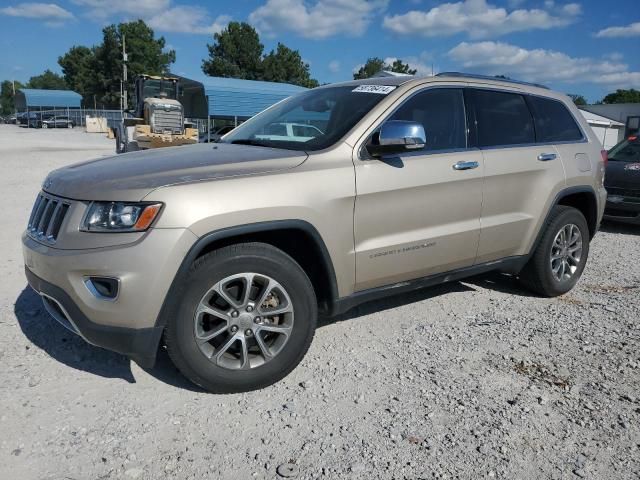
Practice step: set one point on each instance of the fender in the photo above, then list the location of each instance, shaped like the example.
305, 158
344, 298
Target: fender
556, 201
168, 306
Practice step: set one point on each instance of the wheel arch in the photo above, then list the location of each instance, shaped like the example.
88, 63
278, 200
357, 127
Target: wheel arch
298, 238
582, 198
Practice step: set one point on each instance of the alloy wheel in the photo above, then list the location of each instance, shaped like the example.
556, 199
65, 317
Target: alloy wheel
243, 321
566, 252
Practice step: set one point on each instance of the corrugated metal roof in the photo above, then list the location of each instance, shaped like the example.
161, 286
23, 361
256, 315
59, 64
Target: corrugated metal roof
32, 97
244, 98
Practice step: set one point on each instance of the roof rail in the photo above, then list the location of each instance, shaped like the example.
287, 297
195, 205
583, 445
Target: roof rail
488, 77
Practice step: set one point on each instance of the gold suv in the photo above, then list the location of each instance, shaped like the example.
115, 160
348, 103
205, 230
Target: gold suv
226, 252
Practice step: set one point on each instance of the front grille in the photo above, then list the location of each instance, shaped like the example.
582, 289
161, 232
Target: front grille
46, 217
623, 192
167, 121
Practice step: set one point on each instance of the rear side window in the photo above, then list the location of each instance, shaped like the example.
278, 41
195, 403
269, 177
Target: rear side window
553, 121
441, 113
502, 118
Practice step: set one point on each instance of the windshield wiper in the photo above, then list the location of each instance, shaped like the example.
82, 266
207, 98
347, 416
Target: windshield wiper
249, 141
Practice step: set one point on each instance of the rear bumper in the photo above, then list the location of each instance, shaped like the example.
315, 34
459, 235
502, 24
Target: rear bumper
624, 211
140, 344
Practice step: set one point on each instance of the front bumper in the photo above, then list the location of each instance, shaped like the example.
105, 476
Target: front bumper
626, 211
139, 344
128, 323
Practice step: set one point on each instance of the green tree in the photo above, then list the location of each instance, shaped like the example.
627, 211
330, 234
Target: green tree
623, 96
370, 68
7, 104
399, 67
375, 65
286, 66
577, 99
47, 81
236, 52
77, 68
98, 72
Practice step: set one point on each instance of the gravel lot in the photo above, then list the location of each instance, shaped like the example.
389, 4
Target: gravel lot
474, 379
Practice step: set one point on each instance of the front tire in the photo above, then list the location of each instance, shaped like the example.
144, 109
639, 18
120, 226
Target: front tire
246, 318
560, 257
44, 125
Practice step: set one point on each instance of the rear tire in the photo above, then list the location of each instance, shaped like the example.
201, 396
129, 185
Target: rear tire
560, 257
249, 348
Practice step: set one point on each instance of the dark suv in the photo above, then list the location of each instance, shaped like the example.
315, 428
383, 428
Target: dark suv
622, 181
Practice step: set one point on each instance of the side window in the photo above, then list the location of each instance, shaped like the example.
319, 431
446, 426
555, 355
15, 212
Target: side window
553, 121
441, 112
502, 118
279, 129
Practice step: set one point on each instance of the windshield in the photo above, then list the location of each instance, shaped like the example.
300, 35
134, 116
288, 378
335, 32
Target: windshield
626, 151
159, 89
311, 120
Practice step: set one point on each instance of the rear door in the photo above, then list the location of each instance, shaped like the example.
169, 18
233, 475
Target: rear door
417, 214
520, 177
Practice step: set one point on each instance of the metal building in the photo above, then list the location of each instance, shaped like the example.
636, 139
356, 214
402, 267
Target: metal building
30, 99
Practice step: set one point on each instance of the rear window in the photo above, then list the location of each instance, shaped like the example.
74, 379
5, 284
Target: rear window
553, 121
626, 151
502, 118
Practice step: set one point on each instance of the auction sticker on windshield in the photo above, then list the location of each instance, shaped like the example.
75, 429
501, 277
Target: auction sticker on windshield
381, 89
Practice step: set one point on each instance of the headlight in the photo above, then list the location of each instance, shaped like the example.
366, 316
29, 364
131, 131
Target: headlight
120, 216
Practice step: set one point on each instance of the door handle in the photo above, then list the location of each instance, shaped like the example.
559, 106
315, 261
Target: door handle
545, 157
465, 165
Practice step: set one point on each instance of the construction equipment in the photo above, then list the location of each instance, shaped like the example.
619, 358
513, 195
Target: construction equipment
157, 119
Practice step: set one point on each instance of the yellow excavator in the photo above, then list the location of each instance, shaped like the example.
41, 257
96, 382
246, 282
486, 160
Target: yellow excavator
158, 118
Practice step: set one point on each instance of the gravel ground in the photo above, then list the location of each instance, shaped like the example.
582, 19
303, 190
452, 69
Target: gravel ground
474, 379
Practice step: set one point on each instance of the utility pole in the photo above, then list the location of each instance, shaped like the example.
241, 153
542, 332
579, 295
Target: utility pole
123, 84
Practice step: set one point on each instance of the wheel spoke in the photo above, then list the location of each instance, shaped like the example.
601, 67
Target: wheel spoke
203, 337
205, 308
280, 329
271, 284
248, 282
217, 354
219, 289
244, 354
264, 350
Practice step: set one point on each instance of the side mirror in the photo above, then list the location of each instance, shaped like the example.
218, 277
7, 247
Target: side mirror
398, 136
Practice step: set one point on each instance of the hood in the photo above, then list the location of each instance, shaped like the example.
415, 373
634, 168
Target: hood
131, 176
622, 175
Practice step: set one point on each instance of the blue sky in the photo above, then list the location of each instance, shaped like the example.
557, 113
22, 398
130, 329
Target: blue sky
588, 47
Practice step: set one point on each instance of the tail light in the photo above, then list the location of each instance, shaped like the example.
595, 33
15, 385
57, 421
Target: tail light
605, 157
603, 165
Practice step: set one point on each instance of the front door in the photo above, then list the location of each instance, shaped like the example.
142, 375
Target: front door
417, 214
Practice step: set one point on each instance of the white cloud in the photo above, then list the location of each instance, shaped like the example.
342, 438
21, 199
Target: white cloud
334, 66
48, 11
138, 8
632, 30
321, 19
539, 65
186, 19
479, 19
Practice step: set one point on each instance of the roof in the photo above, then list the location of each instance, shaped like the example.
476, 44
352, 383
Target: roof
595, 119
244, 98
614, 111
32, 97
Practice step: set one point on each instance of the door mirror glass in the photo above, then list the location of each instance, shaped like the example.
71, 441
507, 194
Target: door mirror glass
397, 136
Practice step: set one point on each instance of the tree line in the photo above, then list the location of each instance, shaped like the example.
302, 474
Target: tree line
96, 72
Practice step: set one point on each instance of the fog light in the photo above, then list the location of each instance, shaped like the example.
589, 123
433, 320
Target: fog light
104, 288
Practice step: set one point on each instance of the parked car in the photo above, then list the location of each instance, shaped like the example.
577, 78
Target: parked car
622, 181
58, 122
228, 254
287, 131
